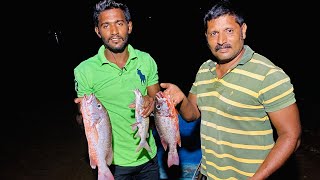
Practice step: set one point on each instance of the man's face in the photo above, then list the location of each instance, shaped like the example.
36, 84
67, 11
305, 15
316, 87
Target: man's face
114, 29
225, 37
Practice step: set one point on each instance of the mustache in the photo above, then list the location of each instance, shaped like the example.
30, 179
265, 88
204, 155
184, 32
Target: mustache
218, 47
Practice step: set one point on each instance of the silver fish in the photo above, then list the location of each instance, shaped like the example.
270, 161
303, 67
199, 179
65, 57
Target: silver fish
141, 123
99, 135
167, 125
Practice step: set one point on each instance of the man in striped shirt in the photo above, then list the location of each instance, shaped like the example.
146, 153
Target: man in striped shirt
241, 97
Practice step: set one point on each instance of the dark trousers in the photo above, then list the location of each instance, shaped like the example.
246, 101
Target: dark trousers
147, 171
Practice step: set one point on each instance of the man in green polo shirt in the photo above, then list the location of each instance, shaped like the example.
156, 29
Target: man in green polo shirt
239, 97
112, 75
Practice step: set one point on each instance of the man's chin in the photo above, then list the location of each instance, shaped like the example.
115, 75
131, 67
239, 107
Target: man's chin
116, 49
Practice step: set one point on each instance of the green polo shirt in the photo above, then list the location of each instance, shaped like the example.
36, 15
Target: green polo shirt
236, 133
114, 88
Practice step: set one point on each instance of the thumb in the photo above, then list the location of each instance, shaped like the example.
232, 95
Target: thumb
164, 85
77, 100
132, 105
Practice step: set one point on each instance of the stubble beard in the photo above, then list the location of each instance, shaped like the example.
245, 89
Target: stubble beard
116, 49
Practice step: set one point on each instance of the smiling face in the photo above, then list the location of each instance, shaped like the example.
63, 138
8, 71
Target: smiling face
225, 37
114, 29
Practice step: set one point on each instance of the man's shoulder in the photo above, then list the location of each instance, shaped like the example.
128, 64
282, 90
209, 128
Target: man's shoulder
138, 52
208, 64
261, 65
87, 63
261, 60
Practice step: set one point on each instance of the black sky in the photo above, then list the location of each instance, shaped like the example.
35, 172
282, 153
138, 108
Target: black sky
172, 32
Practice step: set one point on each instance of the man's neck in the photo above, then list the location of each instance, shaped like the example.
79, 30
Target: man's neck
120, 59
224, 68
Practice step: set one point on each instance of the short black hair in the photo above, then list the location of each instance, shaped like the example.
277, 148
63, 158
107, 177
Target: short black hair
109, 4
221, 8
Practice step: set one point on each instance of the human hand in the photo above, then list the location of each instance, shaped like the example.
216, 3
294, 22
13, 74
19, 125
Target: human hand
78, 100
174, 92
148, 106
79, 118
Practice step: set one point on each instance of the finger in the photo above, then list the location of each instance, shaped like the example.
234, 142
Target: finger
147, 113
146, 104
174, 102
133, 105
167, 91
77, 100
164, 85
152, 104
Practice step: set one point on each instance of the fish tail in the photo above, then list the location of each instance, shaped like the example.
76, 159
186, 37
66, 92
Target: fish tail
144, 145
105, 175
173, 158
147, 147
137, 135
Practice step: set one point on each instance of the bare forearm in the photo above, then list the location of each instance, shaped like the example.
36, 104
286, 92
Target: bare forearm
188, 111
277, 157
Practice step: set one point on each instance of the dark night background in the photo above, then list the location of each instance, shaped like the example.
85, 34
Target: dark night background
38, 68
172, 32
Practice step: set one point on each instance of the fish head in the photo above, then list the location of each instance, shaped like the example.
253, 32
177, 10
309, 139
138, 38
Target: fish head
163, 104
138, 98
93, 108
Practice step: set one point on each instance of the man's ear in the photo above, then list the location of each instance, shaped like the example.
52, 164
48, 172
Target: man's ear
129, 27
244, 30
96, 29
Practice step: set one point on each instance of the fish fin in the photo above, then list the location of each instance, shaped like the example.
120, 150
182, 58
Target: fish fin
106, 175
134, 126
164, 145
138, 148
173, 158
178, 138
147, 147
109, 158
179, 142
137, 135
93, 163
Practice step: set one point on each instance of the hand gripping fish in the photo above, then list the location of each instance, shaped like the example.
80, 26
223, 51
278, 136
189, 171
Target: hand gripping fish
167, 125
99, 135
141, 123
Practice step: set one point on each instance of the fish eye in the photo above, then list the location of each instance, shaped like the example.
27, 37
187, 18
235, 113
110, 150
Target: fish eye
158, 106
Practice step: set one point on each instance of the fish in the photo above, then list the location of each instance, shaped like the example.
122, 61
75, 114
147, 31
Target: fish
167, 125
98, 133
142, 124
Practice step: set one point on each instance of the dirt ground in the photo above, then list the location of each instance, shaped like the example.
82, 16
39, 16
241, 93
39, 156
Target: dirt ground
51, 146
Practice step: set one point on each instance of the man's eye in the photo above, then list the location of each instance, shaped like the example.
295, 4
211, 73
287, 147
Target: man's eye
213, 34
229, 30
